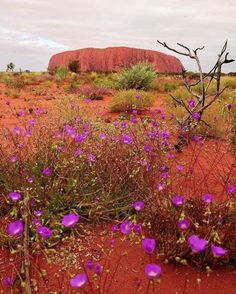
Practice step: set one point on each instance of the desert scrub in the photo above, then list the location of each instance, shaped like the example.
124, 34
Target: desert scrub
140, 76
61, 74
231, 111
213, 116
93, 92
108, 81
130, 100
229, 82
92, 167
74, 66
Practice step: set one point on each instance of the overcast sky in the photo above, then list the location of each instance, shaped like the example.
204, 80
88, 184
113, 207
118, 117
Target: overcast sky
33, 30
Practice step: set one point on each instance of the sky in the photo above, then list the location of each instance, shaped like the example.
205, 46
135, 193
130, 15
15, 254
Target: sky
31, 31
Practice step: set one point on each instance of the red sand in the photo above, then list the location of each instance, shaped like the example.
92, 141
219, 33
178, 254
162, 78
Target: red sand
127, 261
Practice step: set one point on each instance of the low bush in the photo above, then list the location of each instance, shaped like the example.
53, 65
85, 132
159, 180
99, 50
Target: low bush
93, 93
140, 76
130, 100
108, 81
213, 116
61, 74
74, 66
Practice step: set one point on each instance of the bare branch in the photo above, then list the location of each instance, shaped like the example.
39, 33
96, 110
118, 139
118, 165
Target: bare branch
172, 49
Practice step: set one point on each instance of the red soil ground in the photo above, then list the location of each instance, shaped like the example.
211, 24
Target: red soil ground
214, 163
126, 264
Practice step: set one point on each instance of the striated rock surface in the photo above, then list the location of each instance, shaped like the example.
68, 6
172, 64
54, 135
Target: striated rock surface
115, 58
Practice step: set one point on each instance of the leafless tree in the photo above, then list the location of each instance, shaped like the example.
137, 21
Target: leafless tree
203, 100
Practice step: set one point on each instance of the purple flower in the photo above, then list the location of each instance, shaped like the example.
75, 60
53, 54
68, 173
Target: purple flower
137, 228
197, 244
44, 232
8, 281
231, 189
179, 167
14, 196
70, 220
207, 198
218, 251
191, 103
149, 245
89, 264
196, 138
78, 152
229, 106
15, 228
91, 157
123, 124
138, 205
114, 228
125, 227
166, 135
134, 120
16, 130
137, 96
152, 270
183, 224
127, 139
164, 175
32, 122
196, 115
98, 269
47, 172
103, 136
160, 186
178, 200
38, 213
79, 280
36, 222
13, 158
30, 180
147, 148
39, 111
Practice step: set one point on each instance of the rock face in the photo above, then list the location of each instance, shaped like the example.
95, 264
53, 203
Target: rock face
115, 58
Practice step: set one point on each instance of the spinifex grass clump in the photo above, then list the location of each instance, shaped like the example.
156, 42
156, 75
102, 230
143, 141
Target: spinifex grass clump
130, 100
140, 76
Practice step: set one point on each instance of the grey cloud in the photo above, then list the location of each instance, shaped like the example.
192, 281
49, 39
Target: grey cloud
31, 31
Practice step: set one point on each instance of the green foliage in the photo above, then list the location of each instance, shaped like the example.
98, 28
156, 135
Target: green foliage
74, 66
140, 76
168, 86
108, 81
131, 99
61, 74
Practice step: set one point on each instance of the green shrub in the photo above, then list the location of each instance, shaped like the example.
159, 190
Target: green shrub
168, 87
61, 74
108, 81
131, 99
74, 66
140, 76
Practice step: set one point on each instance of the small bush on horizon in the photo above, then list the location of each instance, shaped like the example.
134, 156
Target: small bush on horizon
128, 100
140, 76
74, 66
